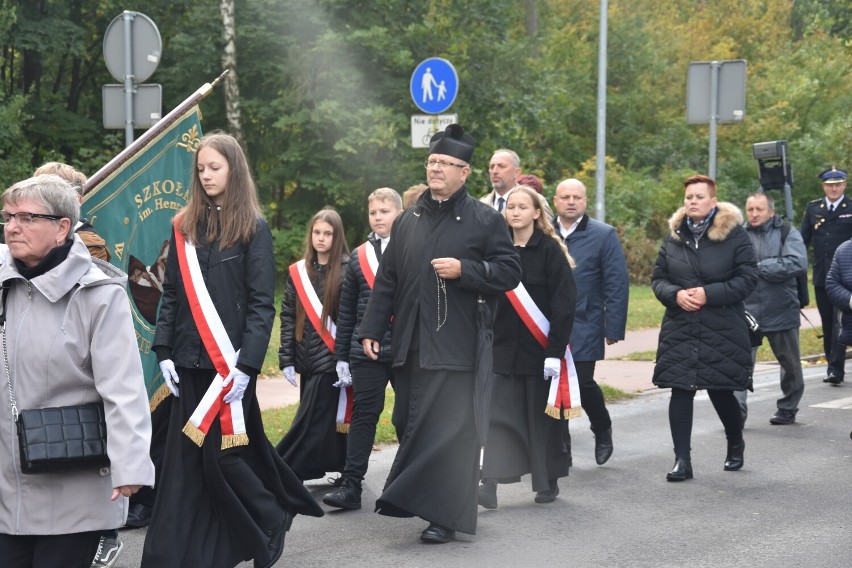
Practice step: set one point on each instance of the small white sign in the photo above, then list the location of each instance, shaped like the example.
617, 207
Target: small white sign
424, 126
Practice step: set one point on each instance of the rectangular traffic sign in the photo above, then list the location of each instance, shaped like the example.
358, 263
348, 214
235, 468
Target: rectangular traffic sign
424, 126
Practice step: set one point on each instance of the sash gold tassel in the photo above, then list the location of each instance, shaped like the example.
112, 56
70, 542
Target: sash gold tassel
234, 440
552, 411
570, 413
194, 434
343, 428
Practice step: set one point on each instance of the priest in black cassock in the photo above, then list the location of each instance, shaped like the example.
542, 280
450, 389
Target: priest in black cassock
445, 252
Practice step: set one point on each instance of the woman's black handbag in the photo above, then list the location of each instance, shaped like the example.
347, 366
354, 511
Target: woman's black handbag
66, 438
53, 440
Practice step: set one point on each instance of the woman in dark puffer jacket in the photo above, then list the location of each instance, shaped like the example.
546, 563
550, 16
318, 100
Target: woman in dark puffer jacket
705, 269
313, 445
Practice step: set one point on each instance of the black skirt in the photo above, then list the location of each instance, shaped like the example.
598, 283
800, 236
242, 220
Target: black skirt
214, 507
435, 473
521, 437
313, 447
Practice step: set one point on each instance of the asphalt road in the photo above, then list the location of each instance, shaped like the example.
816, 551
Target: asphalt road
790, 506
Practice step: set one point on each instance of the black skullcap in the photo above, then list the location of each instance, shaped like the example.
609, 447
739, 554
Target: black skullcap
453, 141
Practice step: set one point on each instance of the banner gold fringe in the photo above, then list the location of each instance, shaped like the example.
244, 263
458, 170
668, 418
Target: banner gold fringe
159, 396
234, 440
343, 428
570, 413
193, 433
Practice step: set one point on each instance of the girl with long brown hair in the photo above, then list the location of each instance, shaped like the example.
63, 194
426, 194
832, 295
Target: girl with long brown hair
315, 444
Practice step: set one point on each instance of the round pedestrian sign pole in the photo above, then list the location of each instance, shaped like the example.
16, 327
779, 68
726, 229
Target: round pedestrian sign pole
434, 85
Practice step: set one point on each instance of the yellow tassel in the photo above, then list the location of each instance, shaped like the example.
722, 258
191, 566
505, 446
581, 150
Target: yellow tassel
552, 411
234, 440
193, 433
159, 396
570, 413
343, 427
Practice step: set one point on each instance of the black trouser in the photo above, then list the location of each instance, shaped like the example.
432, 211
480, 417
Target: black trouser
680, 417
835, 352
592, 397
369, 381
74, 550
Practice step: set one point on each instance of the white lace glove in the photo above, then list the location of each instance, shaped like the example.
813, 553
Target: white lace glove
552, 366
170, 376
290, 375
241, 381
344, 378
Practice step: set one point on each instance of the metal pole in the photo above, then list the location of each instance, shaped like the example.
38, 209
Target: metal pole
600, 145
714, 112
128, 76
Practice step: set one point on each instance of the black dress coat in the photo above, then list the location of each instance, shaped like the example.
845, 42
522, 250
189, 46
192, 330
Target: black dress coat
435, 473
826, 231
522, 438
709, 348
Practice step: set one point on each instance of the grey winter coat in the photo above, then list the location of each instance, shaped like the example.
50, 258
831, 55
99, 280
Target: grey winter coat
71, 340
775, 301
708, 348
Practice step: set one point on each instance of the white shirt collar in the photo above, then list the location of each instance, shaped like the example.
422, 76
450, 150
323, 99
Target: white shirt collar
829, 203
567, 231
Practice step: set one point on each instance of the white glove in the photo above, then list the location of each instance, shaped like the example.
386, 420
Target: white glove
170, 376
552, 366
240, 380
344, 378
290, 375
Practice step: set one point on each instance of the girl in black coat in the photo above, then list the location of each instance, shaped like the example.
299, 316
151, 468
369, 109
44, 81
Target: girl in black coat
313, 445
705, 269
522, 438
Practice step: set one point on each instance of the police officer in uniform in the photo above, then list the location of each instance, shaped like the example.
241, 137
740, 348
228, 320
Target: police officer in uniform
828, 223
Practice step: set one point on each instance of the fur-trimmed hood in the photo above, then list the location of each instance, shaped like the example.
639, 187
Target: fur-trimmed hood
726, 218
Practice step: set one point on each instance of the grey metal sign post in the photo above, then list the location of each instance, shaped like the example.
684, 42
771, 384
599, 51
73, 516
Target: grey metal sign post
715, 94
132, 47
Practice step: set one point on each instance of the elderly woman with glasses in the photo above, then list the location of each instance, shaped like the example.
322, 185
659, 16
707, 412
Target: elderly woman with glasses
68, 340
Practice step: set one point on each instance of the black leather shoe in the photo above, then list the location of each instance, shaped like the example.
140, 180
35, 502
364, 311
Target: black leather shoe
548, 496
783, 417
833, 379
488, 494
138, 516
734, 460
346, 497
603, 446
436, 534
275, 548
681, 471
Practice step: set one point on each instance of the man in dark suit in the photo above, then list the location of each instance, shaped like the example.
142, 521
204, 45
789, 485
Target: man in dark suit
828, 223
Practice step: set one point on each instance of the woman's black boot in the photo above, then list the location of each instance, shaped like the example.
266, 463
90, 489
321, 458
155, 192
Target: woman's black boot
681, 471
735, 460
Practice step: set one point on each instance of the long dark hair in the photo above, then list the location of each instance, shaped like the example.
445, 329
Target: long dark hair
331, 291
542, 223
240, 208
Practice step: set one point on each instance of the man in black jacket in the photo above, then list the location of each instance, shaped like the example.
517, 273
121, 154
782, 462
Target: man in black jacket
828, 223
369, 378
444, 253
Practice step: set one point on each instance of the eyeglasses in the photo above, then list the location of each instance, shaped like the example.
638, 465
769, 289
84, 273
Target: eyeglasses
24, 218
441, 164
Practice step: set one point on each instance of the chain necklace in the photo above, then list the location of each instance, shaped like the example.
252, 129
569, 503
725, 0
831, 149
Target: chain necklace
442, 289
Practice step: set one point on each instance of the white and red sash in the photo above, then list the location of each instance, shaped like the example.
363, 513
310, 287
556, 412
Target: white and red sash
313, 309
564, 397
221, 352
369, 262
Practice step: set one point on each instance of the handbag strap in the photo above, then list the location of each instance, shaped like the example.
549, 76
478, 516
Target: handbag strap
5, 292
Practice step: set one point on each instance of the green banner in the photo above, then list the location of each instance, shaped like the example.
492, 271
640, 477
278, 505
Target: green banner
132, 210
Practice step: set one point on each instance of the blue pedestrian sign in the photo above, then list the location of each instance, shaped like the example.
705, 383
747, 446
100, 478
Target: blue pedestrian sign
434, 85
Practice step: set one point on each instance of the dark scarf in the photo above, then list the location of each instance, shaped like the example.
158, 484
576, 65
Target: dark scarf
698, 229
50, 261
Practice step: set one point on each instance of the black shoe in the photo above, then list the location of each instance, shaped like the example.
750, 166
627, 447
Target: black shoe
548, 496
783, 416
348, 496
275, 547
681, 471
833, 379
734, 460
436, 534
603, 446
138, 516
488, 494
